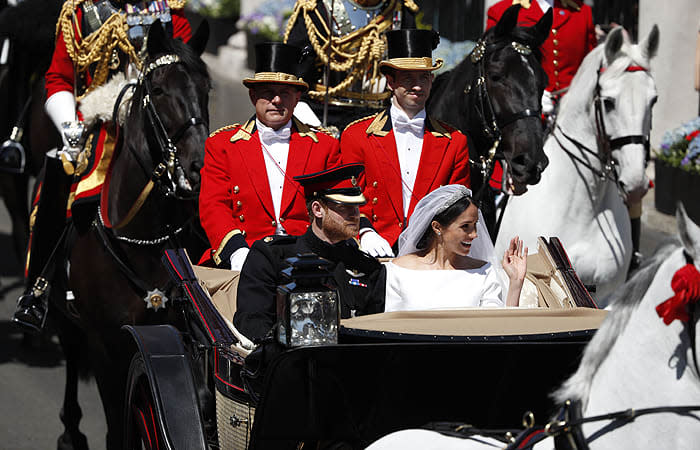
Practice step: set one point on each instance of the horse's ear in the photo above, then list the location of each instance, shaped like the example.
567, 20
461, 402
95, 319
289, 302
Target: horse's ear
543, 27
651, 43
689, 232
508, 21
156, 38
613, 44
199, 39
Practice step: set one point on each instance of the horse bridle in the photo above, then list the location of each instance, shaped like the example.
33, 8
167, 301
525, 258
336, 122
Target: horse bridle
167, 145
490, 124
606, 145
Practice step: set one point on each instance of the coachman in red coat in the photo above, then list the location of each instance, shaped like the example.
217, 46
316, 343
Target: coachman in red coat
248, 191
406, 153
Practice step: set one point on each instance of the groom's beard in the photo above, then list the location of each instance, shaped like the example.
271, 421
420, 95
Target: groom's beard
339, 229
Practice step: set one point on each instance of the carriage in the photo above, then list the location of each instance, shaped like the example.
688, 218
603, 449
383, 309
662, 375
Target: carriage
202, 385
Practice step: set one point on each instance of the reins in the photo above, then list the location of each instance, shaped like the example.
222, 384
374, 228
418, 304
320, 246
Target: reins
606, 145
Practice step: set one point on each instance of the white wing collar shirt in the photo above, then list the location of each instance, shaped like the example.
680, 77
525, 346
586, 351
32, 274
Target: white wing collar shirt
275, 148
408, 134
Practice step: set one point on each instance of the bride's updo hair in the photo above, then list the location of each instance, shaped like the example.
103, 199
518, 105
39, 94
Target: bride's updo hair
444, 218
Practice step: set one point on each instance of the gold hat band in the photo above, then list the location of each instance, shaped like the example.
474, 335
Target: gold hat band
424, 63
275, 77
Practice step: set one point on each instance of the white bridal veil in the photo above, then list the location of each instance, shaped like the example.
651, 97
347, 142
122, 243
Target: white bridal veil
433, 204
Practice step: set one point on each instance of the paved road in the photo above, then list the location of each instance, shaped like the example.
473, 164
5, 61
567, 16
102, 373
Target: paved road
31, 382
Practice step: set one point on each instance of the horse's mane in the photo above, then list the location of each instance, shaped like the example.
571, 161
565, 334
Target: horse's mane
624, 302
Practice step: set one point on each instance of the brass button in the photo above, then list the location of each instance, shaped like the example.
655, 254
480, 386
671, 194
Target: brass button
273, 223
374, 217
244, 233
400, 224
374, 201
281, 219
236, 189
556, 73
556, 63
554, 31
374, 184
239, 203
555, 42
556, 84
241, 218
556, 52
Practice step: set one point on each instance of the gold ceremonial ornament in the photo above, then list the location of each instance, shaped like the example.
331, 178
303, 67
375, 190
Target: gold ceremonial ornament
155, 299
344, 47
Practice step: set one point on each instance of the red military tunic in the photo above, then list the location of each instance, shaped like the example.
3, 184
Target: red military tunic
572, 37
444, 160
60, 76
235, 202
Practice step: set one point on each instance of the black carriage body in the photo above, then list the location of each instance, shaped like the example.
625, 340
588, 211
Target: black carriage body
376, 382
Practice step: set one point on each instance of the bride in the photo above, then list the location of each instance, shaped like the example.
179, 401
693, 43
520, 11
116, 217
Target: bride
446, 258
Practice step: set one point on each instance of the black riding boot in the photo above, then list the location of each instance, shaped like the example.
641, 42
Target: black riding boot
45, 237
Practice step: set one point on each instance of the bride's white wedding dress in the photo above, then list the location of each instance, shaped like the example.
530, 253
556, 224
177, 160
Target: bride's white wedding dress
413, 289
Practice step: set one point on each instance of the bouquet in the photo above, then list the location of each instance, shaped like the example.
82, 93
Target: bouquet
680, 147
269, 19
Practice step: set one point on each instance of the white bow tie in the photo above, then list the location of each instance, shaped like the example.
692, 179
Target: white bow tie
270, 136
415, 125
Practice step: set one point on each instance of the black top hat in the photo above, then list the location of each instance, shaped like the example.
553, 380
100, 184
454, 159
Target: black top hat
276, 62
338, 184
411, 49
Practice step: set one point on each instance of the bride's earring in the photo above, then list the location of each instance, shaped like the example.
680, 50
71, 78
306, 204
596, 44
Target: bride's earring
439, 233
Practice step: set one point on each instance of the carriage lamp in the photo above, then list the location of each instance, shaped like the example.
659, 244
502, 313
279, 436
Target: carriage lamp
308, 313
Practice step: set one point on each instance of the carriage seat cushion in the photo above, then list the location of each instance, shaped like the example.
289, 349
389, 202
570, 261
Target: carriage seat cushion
222, 285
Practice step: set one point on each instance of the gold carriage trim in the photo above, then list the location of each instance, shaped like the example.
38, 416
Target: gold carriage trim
276, 77
424, 63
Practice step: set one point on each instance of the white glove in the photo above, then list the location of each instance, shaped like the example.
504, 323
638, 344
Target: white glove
61, 108
238, 258
372, 243
547, 103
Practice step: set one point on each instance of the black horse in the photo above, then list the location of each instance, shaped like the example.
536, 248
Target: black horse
494, 96
29, 27
115, 272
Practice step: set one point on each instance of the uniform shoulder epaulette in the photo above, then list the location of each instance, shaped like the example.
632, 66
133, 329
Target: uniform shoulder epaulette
278, 239
227, 127
360, 120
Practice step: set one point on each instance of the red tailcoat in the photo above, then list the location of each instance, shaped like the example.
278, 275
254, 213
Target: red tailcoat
572, 37
444, 160
235, 200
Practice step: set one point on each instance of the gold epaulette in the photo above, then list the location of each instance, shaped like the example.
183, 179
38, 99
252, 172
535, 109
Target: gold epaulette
441, 128
360, 120
227, 127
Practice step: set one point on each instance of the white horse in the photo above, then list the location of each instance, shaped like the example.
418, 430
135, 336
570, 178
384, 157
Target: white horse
597, 157
634, 361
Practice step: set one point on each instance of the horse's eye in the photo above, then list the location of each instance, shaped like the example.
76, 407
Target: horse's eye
609, 103
158, 91
495, 77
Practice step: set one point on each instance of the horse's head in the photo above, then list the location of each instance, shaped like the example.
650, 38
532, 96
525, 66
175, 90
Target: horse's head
514, 80
173, 95
624, 97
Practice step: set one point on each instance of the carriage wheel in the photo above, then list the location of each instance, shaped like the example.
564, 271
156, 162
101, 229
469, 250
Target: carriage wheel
142, 429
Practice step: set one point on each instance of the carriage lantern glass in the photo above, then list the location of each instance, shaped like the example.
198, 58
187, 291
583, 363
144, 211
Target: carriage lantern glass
308, 312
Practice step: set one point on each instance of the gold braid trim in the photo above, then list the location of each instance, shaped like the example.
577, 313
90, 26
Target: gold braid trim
97, 48
357, 53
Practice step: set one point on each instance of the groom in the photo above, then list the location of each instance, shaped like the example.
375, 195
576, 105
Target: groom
406, 153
